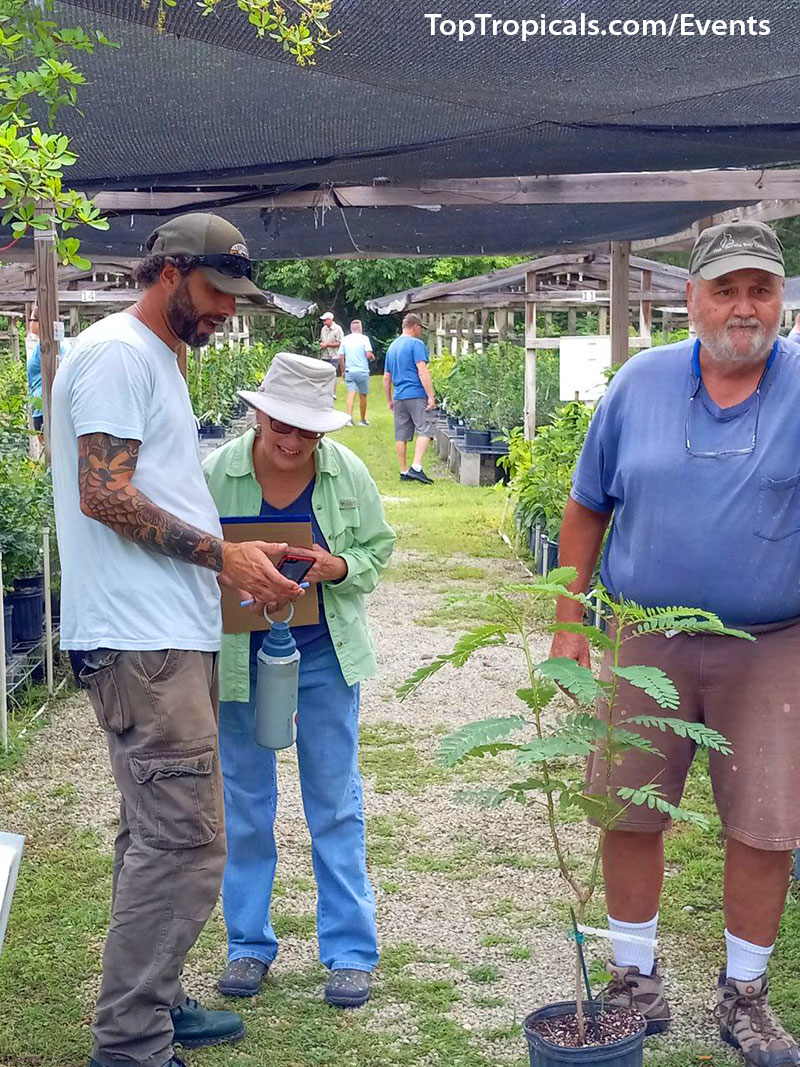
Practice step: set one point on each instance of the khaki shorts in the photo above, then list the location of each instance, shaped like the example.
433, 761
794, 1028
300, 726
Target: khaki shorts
748, 691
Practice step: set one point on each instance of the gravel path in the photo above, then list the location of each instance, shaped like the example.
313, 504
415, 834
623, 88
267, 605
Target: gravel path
472, 890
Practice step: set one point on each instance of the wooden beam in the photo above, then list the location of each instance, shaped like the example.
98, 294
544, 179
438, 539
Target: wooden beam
620, 279
50, 324
621, 188
530, 356
763, 211
645, 306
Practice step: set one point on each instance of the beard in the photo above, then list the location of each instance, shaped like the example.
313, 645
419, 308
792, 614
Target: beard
184, 318
742, 342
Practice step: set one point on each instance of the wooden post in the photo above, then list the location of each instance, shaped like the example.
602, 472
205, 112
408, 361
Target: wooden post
620, 291
471, 331
440, 334
74, 322
572, 321
50, 325
530, 355
646, 308
602, 319
485, 322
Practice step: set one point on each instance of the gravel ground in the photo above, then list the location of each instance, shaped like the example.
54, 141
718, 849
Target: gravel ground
473, 890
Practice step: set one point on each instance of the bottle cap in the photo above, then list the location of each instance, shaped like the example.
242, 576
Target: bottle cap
278, 641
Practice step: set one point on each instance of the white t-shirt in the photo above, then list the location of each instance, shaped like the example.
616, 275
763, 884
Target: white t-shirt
120, 379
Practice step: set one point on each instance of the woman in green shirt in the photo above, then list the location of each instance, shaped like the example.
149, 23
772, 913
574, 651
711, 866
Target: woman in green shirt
284, 467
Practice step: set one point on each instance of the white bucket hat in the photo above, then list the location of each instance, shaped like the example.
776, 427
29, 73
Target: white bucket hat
298, 390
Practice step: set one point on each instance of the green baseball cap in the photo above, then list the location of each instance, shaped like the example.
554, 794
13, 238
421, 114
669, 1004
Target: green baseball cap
227, 265
742, 245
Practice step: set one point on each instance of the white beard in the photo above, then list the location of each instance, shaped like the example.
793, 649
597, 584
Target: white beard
724, 344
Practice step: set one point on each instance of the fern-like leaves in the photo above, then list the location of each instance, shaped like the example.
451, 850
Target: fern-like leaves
577, 680
478, 739
654, 682
702, 735
467, 644
650, 796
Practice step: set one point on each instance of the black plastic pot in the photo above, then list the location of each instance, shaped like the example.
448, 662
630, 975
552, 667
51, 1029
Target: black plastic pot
549, 554
452, 422
209, 429
27, 600
8, 611
629, 1052
477, 439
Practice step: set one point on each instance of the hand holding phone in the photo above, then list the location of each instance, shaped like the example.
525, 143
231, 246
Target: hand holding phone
295, 568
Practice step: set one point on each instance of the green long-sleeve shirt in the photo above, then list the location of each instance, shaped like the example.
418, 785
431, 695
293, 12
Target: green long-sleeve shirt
348, 508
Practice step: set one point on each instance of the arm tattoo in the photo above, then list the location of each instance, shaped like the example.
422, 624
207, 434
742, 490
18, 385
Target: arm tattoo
106, 466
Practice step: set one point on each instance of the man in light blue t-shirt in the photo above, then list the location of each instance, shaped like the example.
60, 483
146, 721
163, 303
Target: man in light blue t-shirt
695, 451
355, 356
409, 394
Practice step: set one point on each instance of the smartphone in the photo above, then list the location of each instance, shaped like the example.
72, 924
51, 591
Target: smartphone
295, 568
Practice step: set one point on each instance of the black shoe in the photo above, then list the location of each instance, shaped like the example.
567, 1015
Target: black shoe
242, 977
196, 1027
348, 988
416, 476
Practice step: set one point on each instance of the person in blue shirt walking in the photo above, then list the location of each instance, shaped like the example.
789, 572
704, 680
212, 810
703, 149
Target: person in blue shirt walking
355, 356
695, 451
409, 394
35, 371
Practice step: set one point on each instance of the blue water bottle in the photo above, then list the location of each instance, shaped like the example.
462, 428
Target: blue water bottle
276, 686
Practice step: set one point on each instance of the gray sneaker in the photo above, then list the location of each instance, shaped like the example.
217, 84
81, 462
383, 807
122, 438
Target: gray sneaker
348, 988
242, 977
746, 1022
643, 993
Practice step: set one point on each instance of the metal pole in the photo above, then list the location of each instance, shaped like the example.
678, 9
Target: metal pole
3, 694
48, 610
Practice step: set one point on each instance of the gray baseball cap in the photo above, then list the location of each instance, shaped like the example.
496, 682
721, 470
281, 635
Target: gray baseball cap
211, 238
729, 246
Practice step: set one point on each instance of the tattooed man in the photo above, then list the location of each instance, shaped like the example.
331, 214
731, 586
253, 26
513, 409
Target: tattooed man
142, 554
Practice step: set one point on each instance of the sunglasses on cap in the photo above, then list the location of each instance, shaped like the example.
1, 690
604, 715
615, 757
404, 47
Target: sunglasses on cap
232, 265
284, 427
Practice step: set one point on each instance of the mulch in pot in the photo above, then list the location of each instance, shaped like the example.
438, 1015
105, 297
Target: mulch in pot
612, 1025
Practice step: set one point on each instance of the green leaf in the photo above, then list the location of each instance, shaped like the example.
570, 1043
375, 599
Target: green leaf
464, 742
465, 646
577, 680
593, 634
622, 740
556, 746
698, 732
538, 695
650, 796
654, 682
562, 576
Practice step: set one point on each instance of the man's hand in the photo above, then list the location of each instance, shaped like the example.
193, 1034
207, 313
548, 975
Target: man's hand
570, 646
248, 566
327, 568
431, 403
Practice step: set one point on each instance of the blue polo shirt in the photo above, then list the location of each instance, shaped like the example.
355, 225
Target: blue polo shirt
402, 357
706, 500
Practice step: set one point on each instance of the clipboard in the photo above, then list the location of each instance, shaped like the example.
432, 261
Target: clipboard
294, 530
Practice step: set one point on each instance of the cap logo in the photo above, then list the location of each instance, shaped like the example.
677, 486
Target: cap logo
240, 250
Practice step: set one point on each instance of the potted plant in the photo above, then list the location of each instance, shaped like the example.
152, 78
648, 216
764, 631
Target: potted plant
24, 504
548, 745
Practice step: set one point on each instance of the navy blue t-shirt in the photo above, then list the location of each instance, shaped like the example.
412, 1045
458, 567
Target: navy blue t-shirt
303, 635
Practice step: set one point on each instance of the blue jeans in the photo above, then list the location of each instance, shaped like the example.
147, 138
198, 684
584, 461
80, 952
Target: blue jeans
327, 756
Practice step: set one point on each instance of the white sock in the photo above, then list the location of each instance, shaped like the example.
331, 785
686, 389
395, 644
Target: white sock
746, 961
414, 467
405, 471
634, 953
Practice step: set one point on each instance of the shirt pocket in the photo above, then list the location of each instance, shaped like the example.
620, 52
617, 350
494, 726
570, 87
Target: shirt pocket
778, 513
350, 520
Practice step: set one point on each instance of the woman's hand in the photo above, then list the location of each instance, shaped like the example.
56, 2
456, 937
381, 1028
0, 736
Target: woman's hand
327, 568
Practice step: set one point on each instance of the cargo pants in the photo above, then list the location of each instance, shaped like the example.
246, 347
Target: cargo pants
160, 713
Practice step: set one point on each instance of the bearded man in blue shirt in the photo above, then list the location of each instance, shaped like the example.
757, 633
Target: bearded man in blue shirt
694, 450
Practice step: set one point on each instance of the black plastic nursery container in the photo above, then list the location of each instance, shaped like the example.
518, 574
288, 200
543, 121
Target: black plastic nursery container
629, 1052
28, 603
477, 439
208, 429
8, 611
548, 558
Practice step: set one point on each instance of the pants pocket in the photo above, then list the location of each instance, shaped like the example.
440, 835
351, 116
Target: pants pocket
99, 679
178, 806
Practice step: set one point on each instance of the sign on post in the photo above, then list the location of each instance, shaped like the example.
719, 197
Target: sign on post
582, 366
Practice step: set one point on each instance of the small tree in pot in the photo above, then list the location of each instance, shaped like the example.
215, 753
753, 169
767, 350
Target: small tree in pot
551, 754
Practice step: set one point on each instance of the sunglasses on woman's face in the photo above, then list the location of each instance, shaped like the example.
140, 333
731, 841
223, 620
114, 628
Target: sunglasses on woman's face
284, 427
232, 265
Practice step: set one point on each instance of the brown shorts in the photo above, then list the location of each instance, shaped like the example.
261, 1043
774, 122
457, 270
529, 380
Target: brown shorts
749, 692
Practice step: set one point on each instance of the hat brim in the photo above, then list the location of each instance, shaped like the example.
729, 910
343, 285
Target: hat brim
236, 286
296, 414
728, 264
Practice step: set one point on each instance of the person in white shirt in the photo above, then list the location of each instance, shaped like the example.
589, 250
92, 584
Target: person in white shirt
141, 553
355, 356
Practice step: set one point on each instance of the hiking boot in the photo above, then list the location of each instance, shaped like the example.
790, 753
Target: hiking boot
416, 476
196, 1027
348, 988
746, 1022
642, 993
242, 977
